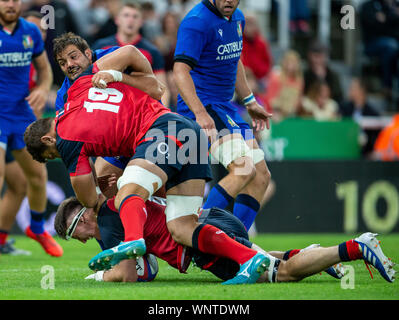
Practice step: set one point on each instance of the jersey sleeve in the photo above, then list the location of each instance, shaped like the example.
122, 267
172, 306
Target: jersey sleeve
74, 157
59, 100
191, 39
38, 44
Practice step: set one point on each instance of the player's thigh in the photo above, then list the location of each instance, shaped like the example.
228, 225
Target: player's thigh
2, 163
107, 166
140, 177
15, 178
33, 170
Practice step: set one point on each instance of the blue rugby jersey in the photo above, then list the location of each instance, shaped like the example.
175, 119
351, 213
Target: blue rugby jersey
59, 101
211, 45
17, 50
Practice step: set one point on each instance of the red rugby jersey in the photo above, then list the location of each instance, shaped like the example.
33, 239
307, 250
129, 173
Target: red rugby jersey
103, 122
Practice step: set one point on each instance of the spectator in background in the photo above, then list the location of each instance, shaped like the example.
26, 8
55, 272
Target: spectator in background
357, 107
317, 103
319, 70
64, 22
152, 27
380, 24
386, 147
129, 21
109, 27
256, 52
167, 45
299, 16
285, 87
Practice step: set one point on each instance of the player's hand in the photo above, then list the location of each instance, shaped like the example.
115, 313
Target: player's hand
260, 117
37, 99
107, 185
207, 124
101, 79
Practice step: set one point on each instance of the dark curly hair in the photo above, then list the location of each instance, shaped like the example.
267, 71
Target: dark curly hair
64, 211
63, 41
32, 137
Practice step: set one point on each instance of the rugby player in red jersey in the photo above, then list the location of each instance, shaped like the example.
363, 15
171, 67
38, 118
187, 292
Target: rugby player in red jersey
103, 224
115, 119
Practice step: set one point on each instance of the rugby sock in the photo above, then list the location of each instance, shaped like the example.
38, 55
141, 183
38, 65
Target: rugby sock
246, 209
212, 240
133, 214
290, 253
3, 237
36, 222
218, 197
349, 251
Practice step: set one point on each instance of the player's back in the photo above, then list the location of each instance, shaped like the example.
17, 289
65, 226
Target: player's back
111, 121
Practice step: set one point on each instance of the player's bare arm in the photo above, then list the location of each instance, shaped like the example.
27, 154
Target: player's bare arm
125, 271
85, 190
260, 117
37, 98
141, 78
186, 88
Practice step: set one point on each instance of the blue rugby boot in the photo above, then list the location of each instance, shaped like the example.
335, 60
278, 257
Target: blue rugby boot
337, 271
125, 250
251, 270
372, 254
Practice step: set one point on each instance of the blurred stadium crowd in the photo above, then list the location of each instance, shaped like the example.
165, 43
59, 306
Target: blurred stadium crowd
312, 78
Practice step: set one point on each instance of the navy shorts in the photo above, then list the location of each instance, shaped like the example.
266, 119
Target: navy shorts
119, 162
178, 146
12, 130
224, 220
226, 117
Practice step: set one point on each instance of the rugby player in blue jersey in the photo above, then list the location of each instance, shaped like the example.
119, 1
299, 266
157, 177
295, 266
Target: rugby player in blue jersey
21, 44
207, 72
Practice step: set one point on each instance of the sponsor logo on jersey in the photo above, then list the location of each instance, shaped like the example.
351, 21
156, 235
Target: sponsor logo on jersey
230, 50
15, 59
221, 33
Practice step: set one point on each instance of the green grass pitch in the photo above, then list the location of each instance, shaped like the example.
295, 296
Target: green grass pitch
21, 277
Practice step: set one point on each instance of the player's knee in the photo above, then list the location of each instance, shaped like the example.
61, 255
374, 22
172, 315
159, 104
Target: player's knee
179, 234
243, 169
262, 178
38, 178
176, 233
182, 229
18, 188
286, 273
